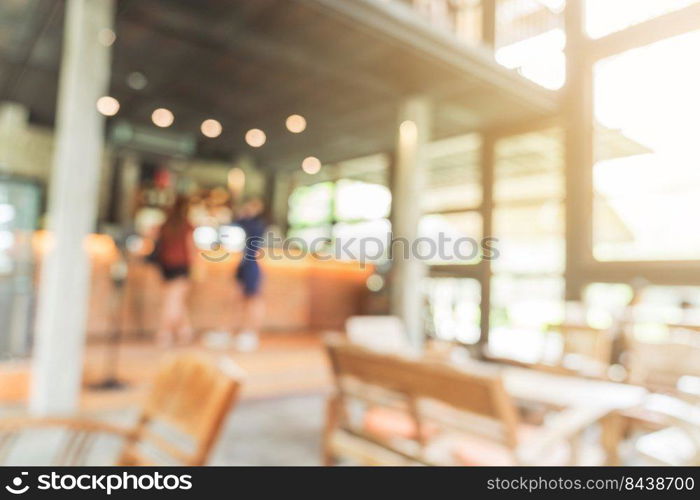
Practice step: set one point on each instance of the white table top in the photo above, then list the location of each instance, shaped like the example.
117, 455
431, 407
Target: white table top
564, 390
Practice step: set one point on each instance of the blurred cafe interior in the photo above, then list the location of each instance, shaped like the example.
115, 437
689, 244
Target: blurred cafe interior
559, 136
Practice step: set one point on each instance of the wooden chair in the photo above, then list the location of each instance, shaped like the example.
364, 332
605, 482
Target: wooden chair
179, 422
684, 333
666, 428
660, 366
585, 350
674, 437
392, 410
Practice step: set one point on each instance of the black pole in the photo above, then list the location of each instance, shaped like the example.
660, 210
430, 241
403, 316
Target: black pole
111, 380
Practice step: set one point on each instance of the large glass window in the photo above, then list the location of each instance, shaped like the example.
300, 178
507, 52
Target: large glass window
453, 309
527, 284
451, 201
530, 38
311, 205
357, 201
605, 303
349, 214
453, 180
528, 198
649, 313
457, 236
647, 200
19, 216
521, 307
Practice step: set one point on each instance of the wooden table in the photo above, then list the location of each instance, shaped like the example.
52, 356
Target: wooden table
567, 392
570, 392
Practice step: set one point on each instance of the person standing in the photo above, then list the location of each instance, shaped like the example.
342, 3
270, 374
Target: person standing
174, 252
249, 274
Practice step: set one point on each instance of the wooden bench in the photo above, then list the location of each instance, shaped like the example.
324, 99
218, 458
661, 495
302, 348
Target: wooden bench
394, 410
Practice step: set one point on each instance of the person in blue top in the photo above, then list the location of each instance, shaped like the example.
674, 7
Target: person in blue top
249, 274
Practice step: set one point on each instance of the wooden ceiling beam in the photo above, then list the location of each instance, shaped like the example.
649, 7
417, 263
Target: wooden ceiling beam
660, 28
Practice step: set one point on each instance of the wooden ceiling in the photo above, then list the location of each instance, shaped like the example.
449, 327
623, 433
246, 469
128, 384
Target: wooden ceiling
345, 65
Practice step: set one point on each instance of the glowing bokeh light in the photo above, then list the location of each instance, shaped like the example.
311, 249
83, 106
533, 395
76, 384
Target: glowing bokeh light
108, 105
255, 137
311, 165
162, 117
296, 124
211, 128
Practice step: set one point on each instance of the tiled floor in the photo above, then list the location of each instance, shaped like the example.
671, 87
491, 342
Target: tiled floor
277, 431
281, 431
284, 365
278, 420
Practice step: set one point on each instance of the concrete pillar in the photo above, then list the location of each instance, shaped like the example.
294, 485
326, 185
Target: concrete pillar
409, 169
64, 284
